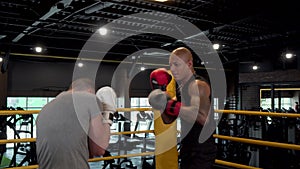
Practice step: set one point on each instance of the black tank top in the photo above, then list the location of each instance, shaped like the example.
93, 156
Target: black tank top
190, 132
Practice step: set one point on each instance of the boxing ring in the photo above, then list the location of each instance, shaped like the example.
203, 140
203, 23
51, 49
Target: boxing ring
217, 136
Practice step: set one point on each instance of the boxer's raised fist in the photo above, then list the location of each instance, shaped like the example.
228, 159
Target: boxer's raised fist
160, 78
107, 98
158, 99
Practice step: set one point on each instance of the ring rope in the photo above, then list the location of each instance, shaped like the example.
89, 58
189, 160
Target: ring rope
243, 140
259, 113
17, 140
20, 112
259, 142
25, 167
134, 109
236, 165
121, 156
96, 159
25, 112
132, 132
221, 162
34, 139
245, 112
231, 138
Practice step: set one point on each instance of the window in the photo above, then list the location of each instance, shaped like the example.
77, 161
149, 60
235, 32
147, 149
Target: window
28, 103
136, 102
17, 102
216, 107
139, 102
286, 103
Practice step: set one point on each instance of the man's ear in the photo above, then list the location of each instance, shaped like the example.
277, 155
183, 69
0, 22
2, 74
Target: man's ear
190, 64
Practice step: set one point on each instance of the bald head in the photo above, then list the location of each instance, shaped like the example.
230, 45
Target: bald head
83, 84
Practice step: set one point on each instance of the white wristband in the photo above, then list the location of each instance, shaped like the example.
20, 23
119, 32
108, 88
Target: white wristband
107, 121
107, 117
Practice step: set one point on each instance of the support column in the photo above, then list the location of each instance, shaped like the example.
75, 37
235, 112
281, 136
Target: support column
298, 62
3, 89
272, 98
120, 83
279, 99
3, 102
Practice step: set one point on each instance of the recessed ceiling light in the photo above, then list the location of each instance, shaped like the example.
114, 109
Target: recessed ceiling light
38, 49
1, 59
80, 64
216, 46
103, 31
161, 0
255, 67
288, 55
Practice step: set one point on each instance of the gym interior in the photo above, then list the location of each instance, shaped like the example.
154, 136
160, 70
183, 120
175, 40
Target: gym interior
249, 50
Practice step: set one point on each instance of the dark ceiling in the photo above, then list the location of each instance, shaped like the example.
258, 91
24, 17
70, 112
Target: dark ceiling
249, 30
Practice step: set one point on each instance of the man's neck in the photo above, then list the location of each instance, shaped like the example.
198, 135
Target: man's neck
185, 80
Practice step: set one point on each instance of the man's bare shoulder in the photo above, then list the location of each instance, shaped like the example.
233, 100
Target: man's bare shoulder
199, 86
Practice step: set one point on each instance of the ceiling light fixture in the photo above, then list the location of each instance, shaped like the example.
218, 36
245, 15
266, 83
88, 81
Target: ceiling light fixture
255, 67
80, 64
1, 59
161, 0
103, 31
2, 36
38, 49
288, 55
216, 46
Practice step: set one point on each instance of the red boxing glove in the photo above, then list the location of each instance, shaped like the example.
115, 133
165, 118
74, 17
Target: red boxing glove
160, 78
172, 108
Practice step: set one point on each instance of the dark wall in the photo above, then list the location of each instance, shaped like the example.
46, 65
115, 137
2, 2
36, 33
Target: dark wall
34, 78
263, 66
48, 79
280, 76
104, 75
140, 85
271, 63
